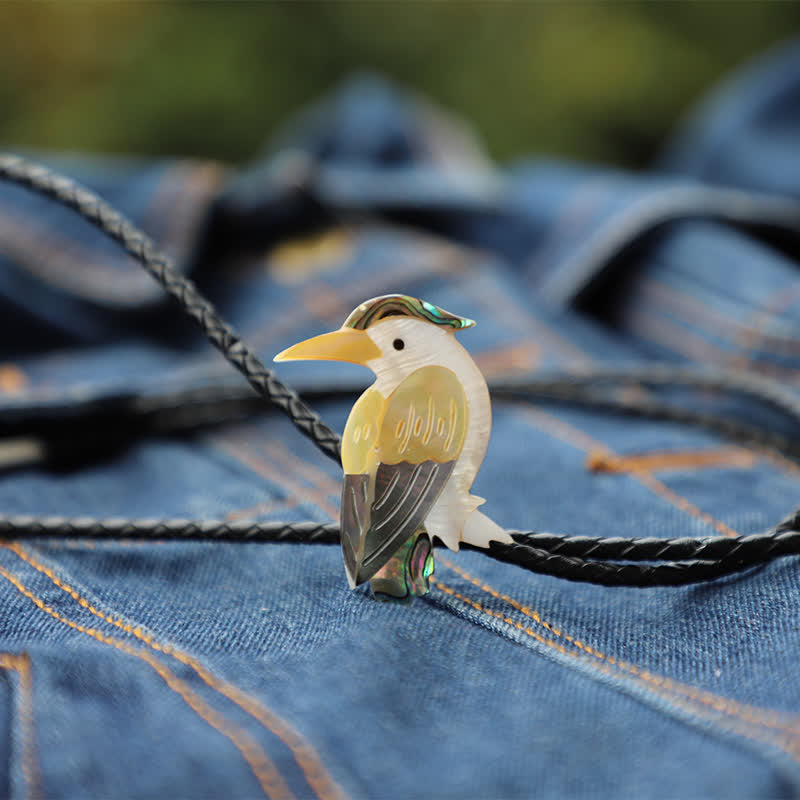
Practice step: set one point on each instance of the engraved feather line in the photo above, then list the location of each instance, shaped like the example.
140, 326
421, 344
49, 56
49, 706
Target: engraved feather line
410, 513
409, 423
429, 428
387, 492
412, 426
403, 498
452, 430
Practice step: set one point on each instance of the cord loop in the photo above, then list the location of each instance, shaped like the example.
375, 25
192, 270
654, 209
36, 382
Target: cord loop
577, 558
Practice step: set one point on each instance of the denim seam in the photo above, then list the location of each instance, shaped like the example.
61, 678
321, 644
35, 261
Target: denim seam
87, 544
527, 324
518, 357
748, 348
301, 260
270, 780
608, 665
318, 490
767, 718
777, 303
258, 466
169, 209
31, 771
87, 271
777, 458
571, 277
598, 459
665, 333
350, 294
51, 256
780, 462
308, 470
265, 332
688, 710
685, 460
692, 344
307, 759
728, 329
261, 509
577, 438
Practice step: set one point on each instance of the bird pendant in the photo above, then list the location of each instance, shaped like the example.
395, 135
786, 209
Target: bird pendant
412, 445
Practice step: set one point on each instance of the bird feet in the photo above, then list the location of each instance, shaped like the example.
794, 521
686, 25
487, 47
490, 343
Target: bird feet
405, 575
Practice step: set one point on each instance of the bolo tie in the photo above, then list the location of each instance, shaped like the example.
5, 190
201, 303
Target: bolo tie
414, 440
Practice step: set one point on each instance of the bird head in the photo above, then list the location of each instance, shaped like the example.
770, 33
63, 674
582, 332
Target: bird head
392, 334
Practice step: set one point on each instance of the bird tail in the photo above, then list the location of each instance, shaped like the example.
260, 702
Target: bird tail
479, 530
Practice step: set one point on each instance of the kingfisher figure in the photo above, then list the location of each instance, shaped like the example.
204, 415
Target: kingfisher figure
412, 445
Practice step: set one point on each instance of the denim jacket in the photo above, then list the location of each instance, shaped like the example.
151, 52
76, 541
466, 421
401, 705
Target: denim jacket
212, 669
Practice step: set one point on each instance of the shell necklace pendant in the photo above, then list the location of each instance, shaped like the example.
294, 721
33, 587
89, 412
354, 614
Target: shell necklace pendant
413, 442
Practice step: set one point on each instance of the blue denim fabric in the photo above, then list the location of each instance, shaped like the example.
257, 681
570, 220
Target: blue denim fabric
240, 670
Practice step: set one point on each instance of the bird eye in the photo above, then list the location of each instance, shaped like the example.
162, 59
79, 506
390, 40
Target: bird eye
399, 344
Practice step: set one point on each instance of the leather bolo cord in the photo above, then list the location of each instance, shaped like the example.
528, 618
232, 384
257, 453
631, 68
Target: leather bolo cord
609, 561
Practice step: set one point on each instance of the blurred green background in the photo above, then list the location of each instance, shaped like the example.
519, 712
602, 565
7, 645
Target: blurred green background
593, 81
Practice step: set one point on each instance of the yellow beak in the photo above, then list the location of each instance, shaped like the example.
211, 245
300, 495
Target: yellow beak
346, 344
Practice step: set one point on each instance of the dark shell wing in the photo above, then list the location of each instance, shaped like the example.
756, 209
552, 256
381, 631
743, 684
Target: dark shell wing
404, 494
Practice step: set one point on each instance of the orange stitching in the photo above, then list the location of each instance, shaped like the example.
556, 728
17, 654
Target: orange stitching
307, 759
62, 262
521, 356
774, 456
318, 490
193, 189
515, 315
12, 379
311, 472
598, 461
268, 776
324, 305
730, 330
303, 257
694, 310
101, 544
180, 200
665, 686
674, 337
448, 260
780, 461
680, 502
259, 466
565, 346
266, 507
680, 340
582, 441
775, 304
769, 718
21, 664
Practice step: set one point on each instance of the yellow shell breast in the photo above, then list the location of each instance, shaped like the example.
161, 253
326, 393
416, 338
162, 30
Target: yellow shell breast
361, 433
426, 418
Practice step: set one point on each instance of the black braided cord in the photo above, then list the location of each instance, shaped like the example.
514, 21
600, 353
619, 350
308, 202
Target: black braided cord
782, 540
137, 244
580, 380
577, 558
569, 557
190, 408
